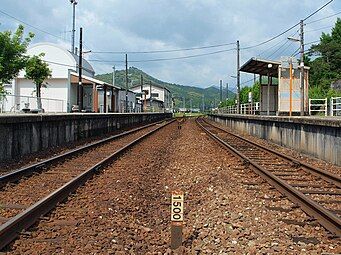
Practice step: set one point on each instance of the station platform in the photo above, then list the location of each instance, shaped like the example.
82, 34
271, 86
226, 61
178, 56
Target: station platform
22, 134
319, 137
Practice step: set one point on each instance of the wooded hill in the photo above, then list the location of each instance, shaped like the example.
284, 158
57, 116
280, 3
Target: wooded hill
211, 94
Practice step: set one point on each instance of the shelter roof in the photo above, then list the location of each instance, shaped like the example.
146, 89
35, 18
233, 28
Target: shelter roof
261, 67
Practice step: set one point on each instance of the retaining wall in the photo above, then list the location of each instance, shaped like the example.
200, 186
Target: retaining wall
24, 134
318, 137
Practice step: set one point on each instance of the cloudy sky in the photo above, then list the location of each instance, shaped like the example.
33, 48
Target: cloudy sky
147, 25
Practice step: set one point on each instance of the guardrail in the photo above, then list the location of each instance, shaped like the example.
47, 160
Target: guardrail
247, 108
17, 104
335, 106
318, 106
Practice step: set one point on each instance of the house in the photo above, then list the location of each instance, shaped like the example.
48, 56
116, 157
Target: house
132, 105
153, 97
61, 90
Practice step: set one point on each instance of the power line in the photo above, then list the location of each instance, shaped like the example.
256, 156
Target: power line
321, 28
164, 51
286, 41
319, 9
74, 66
327, 17
287, 30
312, 42
271, 39
244, 82
27, 24
296, 52
162, 59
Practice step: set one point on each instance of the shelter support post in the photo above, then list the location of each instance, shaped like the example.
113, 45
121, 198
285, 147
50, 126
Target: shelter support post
105, 99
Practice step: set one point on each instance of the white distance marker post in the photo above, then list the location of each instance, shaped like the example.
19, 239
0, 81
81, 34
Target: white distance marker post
177, 218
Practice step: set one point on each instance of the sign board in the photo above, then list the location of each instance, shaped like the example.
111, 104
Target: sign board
250, 97
177, 217
177, 208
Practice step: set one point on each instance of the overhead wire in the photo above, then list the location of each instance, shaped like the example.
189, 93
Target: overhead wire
288, 29
319, 9
285, 43
163, 59
165, 51
34, 27
317, 29
330, 16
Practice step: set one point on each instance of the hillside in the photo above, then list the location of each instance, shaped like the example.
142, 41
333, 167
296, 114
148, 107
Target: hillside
178, 91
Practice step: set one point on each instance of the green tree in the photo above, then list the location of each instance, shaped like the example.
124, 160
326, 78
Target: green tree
38, 71
12, 54
326, 67
244, 93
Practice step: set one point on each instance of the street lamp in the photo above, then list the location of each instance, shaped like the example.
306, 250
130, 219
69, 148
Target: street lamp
74, 3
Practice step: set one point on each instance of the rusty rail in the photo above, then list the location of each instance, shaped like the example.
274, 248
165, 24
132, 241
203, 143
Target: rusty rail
12, 228
38, 167
327, 219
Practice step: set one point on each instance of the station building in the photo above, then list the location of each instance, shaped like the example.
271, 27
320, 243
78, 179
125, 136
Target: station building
153, 97
60, 92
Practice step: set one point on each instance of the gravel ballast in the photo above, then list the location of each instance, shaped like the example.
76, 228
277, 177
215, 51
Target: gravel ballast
126, 208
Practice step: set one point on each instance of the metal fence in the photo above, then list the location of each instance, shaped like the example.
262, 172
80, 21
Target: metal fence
318, 106
335, 106
247, 108
17, 104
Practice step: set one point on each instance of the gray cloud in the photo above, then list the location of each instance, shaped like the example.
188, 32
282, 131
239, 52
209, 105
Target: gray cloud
116, 25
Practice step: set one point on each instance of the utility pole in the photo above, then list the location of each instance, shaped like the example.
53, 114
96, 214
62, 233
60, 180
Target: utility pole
238, 79
80, 67
184, 103
302, 67
190, 104
227, 91
203, 103
142, 105
126, 104
150, 96
74, 3
113, 75
221, 91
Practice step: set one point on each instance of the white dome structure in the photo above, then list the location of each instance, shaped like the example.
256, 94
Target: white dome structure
61, 91
59, 59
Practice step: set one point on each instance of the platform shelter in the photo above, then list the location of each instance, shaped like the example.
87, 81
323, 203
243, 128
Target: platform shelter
280, 89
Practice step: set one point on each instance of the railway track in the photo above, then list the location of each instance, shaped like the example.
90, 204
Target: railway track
29, 193
316, 191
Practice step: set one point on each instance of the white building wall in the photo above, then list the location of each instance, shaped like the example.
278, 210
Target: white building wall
60, 60
56, 90
163, 94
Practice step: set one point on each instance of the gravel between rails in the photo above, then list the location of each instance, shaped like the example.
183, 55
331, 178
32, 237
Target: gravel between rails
126, 209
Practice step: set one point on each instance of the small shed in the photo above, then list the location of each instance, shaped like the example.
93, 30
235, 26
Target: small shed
280, 86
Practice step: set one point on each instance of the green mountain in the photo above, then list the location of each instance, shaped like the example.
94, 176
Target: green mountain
211, 94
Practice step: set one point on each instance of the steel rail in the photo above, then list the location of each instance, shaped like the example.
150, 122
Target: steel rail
327, 176
12, 228
38, 167
327, 219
